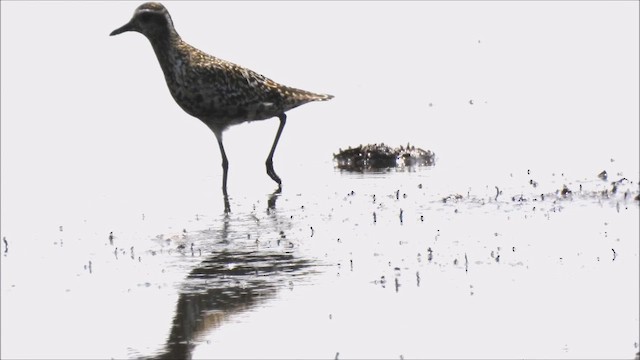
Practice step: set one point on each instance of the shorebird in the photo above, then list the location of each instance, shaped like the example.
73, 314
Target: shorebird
217, 92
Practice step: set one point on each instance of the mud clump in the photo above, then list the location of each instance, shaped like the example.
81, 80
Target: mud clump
380, 156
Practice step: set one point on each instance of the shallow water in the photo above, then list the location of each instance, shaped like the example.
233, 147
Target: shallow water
316, 274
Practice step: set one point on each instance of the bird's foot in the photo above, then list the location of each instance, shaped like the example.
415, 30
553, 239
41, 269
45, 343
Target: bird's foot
272, 173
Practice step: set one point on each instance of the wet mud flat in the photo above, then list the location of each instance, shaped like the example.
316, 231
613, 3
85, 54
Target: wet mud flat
376, 265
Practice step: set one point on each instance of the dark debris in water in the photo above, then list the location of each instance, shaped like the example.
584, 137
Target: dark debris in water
603, 175
381, 156
621, 191
452, 198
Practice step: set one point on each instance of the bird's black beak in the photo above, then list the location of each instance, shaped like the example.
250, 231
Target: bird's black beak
126, 27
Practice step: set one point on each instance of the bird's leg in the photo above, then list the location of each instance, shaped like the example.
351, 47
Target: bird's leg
225, 168
269, 162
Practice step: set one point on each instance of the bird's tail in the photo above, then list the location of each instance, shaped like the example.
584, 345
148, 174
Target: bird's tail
306, 96
321, 97
296, 97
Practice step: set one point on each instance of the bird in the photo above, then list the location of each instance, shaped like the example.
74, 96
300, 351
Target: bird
217, 92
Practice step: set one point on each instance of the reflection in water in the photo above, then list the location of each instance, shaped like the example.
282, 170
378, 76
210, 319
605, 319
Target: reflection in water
235, 278
271, 203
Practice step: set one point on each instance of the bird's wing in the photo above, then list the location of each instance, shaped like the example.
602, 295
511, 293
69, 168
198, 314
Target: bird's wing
234, 89
235, 85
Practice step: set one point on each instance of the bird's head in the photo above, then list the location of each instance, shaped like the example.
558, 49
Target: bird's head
150, 19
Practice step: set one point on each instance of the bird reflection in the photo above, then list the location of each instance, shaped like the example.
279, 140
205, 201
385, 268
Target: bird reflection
271, 203
235, 278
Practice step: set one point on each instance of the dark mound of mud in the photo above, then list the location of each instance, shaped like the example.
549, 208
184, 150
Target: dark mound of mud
381, 156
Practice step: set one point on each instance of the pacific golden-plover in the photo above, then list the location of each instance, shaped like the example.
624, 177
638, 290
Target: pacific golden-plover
217, 92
